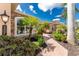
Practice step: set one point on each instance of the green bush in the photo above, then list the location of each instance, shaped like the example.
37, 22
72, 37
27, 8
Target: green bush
5, 37
14, 46
36, 43
77, 36
40, 40
41, 27
77, 30
62, 28
59, 36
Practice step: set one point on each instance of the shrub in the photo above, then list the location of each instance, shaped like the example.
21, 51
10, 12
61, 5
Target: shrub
77, 36
5, 40
59, 36
77, 30
5, 37
40, 39
62, 28
36, 43
44, 25
16, 46
40, 29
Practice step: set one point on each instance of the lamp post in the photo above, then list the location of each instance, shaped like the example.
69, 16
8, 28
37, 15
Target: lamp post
5, 19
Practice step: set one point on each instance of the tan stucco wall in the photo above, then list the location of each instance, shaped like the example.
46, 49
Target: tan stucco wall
7, 7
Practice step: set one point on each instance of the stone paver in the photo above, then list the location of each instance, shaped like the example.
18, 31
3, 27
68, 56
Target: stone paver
72, 50
53, 48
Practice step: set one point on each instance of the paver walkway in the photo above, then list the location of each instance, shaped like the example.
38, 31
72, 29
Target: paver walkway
53, 48
72, 50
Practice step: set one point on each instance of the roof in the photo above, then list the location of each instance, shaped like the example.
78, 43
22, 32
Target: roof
55, 22
16, 13
20, 13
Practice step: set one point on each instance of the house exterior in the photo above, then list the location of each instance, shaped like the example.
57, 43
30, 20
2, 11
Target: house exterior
54, 24
13, 28
7, 7
14, 17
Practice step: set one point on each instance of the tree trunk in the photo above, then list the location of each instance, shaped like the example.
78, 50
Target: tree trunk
30, 32
70, 23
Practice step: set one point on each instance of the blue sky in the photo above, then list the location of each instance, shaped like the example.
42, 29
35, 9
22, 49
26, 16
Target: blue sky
44, 12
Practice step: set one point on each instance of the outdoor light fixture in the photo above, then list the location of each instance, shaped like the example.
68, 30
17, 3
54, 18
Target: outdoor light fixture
5, 19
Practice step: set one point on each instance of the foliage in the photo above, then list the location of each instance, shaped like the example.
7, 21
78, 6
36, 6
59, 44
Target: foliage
64, 14
5, 37
77, 36
59, 36
40, 29
44, 25
77, 30
31, 22
16, 46
77, 33
36, 43
62, 28
40, 40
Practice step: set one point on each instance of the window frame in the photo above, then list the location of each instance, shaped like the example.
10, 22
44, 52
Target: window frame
16, 20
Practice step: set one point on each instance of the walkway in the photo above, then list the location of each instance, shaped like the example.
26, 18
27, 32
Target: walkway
72, 50
53, 48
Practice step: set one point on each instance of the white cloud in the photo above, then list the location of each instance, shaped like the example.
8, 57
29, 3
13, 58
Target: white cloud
34, 12
19, 8
58, 16
48, 6
31, 7
57, 19
77, 20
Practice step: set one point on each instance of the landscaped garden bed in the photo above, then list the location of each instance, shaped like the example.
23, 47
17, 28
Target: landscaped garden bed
60, 34
17, 46
29, 45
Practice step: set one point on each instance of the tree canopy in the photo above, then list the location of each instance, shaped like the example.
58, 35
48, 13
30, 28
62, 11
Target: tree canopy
30, 20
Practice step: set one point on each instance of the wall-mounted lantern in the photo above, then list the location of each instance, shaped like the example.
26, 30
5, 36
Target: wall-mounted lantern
5, 19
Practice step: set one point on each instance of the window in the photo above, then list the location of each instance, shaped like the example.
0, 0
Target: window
19, 29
